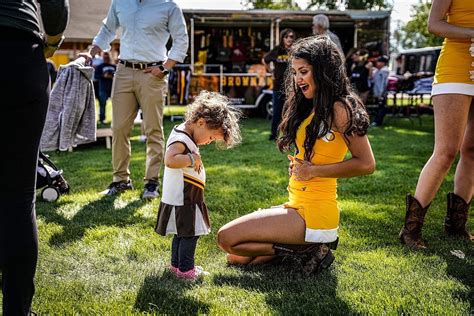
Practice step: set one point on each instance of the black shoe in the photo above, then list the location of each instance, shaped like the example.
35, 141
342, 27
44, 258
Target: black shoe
272, 138
151, 190
118, 187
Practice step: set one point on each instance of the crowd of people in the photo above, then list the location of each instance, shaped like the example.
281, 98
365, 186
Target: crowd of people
323, 116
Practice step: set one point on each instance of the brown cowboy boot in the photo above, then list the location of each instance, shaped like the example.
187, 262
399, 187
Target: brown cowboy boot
410, 234
456, 217
316, 256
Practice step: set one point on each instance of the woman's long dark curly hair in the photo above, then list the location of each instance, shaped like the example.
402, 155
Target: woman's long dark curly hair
332, 85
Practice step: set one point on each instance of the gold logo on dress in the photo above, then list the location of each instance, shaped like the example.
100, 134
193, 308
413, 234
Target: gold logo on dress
329, 137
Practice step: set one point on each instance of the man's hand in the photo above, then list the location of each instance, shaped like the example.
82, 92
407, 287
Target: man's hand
91, 53
155, 71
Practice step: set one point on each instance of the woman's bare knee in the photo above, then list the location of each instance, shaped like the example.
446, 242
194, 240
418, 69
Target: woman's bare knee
224, 239
446, 156
467, 152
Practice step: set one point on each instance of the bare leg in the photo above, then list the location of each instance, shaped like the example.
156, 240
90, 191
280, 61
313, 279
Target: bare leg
464, 177
250, 238
448, 108
235, 259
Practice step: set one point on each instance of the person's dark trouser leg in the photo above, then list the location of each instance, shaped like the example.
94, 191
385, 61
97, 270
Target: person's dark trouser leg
278, 100
175, 251
24, 91
187, 248
96, 88
102, 103
382, 109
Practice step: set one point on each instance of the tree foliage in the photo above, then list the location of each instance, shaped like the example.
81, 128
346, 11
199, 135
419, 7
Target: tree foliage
349, 4
317, 4
415, 33
269, 4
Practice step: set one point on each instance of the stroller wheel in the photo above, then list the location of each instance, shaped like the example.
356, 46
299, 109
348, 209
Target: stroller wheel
50, 194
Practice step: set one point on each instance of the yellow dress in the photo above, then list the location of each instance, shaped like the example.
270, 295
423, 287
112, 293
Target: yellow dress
455, 61
316, 199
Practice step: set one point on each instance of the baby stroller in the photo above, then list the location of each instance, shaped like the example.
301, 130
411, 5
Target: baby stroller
50, 178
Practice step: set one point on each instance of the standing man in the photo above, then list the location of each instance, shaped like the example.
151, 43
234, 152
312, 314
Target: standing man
25, 94
104, 73
380, 82
141, 78
321, 27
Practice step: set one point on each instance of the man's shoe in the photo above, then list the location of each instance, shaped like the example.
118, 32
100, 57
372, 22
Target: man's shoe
118, 187
151, 190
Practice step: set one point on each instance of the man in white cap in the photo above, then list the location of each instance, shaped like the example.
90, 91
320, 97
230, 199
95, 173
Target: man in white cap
321, 27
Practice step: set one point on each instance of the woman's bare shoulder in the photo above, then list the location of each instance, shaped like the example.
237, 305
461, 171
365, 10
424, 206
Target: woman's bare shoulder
341, 116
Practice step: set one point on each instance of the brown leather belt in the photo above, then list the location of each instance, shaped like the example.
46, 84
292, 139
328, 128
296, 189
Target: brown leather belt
140, 66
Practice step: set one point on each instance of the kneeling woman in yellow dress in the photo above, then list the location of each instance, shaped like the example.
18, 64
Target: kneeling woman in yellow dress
323, 119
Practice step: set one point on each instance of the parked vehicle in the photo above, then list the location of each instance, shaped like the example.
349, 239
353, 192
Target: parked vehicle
418, 61
226, 49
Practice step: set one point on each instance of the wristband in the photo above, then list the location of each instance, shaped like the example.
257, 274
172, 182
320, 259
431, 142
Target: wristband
56, 45
163, 70
192, 160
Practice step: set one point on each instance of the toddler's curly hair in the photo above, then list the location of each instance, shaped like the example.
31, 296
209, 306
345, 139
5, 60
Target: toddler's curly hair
217, 111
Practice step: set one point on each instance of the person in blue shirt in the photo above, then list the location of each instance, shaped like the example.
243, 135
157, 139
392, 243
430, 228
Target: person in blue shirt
379, 86
141, 79
105, 75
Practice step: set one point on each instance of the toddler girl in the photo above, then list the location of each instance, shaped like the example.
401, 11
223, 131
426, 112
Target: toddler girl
182, 211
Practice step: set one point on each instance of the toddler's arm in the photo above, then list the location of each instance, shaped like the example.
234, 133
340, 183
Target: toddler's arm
175, 157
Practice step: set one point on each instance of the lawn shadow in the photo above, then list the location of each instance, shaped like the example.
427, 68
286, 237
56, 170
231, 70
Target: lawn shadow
287, 291
383, 232
96, 213
165, 294
459, 259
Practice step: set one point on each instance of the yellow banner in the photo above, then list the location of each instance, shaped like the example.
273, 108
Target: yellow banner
246, 81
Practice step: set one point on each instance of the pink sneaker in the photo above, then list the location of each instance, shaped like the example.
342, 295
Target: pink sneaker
195, 273
173, 270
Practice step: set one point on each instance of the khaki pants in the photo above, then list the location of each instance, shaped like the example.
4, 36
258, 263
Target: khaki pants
133, 88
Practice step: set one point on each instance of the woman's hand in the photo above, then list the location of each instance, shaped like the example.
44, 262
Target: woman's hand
290, 167
197, 162
471, 51
302, 170
49, 51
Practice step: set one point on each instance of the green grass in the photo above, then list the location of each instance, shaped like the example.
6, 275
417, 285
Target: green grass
169, 110
100, 255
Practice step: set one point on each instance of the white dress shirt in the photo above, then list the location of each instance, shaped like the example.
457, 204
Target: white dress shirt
146, 27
